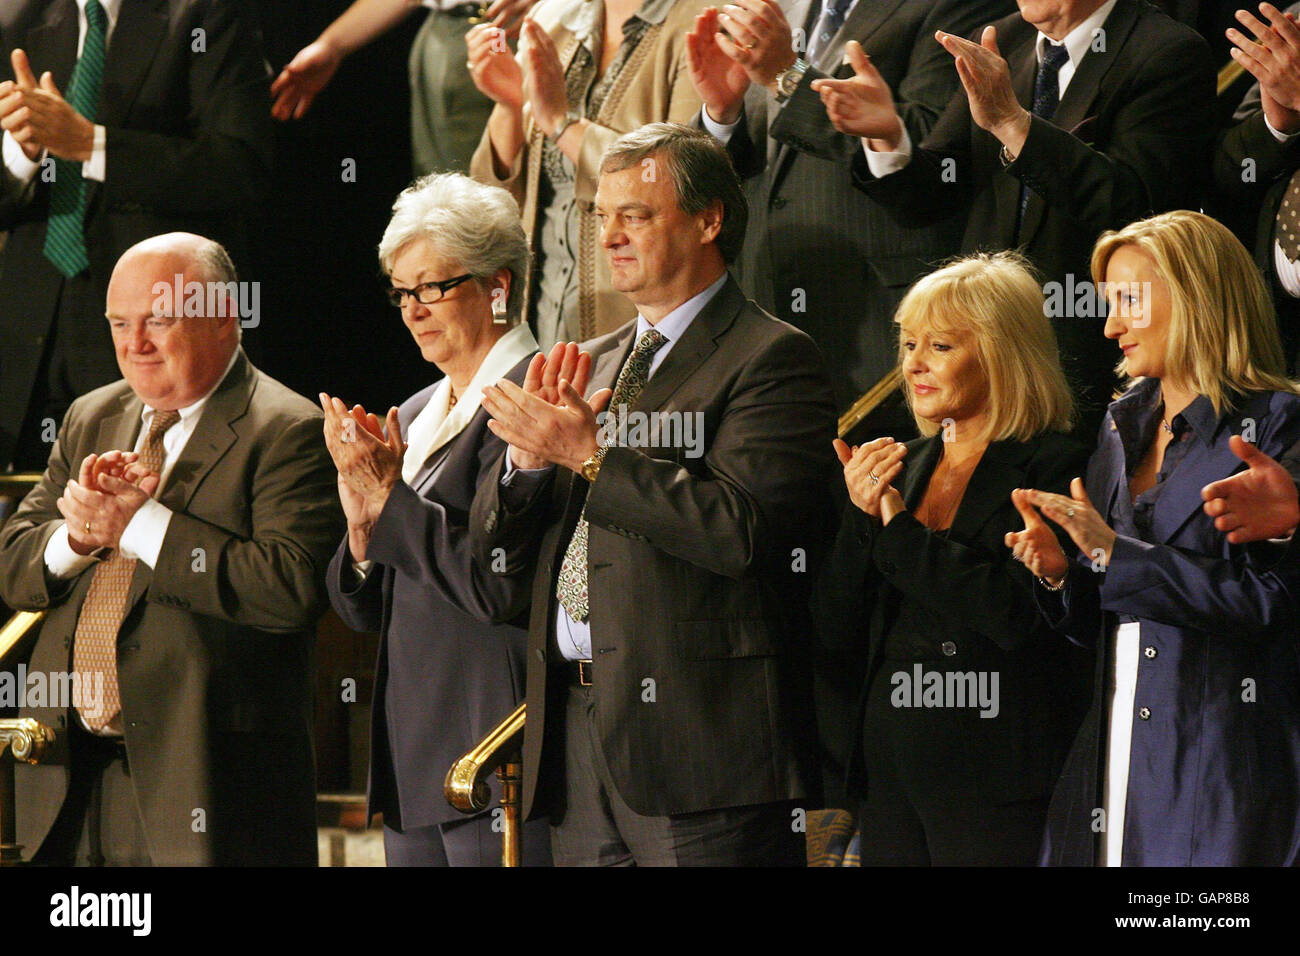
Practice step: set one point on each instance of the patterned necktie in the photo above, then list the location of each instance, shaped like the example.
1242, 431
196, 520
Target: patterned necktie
571, 588
828, 24
95, 645
1047, 94
1287, 231
65, 233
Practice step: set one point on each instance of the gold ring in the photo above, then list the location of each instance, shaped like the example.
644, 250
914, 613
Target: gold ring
875, 479
1069, 512
87, 527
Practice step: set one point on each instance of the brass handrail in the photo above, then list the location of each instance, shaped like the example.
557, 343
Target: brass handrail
15, 629
466, 786
26, 739
869, 402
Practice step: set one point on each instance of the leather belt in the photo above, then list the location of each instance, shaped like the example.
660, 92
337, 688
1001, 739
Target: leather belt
579, 672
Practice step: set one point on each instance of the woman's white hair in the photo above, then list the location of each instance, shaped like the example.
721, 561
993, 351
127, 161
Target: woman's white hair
471, 223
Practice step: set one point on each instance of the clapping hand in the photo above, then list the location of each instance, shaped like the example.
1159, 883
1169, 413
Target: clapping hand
869, 471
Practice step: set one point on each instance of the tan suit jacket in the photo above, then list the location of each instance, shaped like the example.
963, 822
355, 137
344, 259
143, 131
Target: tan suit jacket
214, 654
654, 86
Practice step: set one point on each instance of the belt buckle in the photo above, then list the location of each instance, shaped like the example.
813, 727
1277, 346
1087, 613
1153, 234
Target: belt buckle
481, 16
584, 673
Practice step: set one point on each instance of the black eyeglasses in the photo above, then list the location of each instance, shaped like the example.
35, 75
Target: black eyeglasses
426, 293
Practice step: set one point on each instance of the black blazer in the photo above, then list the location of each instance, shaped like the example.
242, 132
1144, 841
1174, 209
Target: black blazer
188, 148
981, 601
446, 674
1130, 138
698, 573
818, 253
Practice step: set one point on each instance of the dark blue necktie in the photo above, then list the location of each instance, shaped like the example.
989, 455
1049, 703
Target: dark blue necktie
827, 25
1047, 95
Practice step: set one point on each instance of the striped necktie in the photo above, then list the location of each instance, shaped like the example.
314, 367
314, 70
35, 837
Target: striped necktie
828, 24
95, 644
65, 234
1047, 95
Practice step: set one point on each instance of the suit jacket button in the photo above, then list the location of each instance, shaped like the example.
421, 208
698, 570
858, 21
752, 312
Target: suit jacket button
1145, 713
949, 649
490, 522
888, 567
1150, 652
779, 202
541, 655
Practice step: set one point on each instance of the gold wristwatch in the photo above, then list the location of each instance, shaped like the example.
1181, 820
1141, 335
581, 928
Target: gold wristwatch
591, 467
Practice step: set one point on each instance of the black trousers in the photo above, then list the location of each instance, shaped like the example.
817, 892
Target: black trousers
598, 829
98, 824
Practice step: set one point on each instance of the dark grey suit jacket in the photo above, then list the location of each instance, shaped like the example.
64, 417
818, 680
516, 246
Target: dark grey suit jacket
446, 674
1131, 137
188, 148
819, 253
214, 654
697, 574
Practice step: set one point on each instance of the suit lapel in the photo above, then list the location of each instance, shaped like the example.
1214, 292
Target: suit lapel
1077, 106
919, 465
697, 343
866, 17
139, 34
1000, 469
53, 44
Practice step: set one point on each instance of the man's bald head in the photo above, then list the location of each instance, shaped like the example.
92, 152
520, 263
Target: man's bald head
168, 357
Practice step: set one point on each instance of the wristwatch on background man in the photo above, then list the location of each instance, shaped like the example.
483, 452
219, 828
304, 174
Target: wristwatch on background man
787, 81
571, 117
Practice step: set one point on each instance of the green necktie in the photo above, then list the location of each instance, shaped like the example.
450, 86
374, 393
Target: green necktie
65, 234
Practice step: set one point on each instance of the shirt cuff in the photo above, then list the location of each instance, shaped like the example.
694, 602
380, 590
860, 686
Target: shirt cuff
60, 560
143, 535
16, 161
96, 167
719, 131
526, 474
885, 164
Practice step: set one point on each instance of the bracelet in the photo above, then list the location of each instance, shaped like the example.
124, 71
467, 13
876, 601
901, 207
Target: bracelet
1055, 587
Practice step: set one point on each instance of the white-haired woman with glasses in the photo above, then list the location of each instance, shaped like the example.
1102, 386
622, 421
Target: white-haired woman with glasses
451, 664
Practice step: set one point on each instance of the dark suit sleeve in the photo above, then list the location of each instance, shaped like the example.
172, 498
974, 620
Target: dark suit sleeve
24, 583
426, 542
220, 162
988, 592
1247, 159
275, 580
1154, 157
771, 454
509, 519
921, 97
359, 603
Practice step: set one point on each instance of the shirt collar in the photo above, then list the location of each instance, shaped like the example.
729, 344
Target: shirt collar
1138, 411
585, 19
189, 412
1079, 40
111, 9
676, 322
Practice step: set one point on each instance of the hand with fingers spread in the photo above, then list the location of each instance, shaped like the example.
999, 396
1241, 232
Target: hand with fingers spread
547, 421
1256, 504
1272, 58
862, 105
369, 461
38, 118
303, 78
508, 15
1080, 520
868, 472
1036, 546
102, 500
755, 35
543, 77
987, 80
493, 68
719, 80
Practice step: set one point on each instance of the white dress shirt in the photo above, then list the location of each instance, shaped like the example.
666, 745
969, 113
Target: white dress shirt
574, 637
143, 535
16, 161
1077, 43
1122, 693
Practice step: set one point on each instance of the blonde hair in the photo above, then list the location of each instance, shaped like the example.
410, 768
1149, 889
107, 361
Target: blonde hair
1223, 334
996, 297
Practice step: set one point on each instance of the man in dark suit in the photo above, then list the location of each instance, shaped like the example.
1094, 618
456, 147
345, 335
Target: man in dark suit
186, 618
122, 120
818, 253
1257, 161
679, 566
1077, 116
